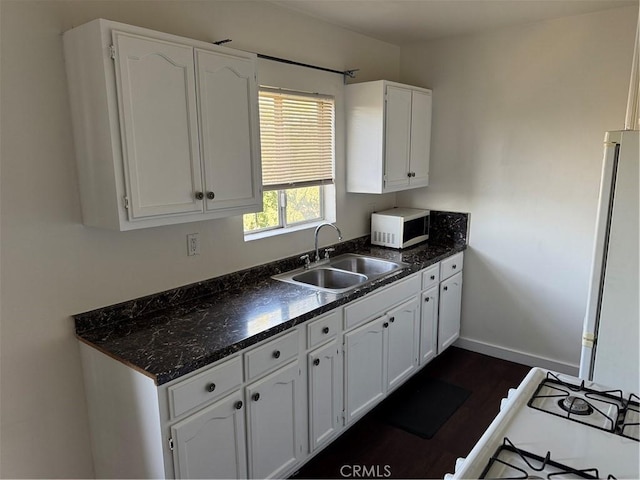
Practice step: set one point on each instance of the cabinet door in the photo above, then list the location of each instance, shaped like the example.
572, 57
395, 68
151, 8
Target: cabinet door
211, 443
274, 418
227, 105
429, 325
420, 138
402, 338
158, 123
325, 394
397, 137
365, 367
449, 315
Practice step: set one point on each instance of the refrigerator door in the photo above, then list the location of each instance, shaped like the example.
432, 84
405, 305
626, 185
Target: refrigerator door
612, 311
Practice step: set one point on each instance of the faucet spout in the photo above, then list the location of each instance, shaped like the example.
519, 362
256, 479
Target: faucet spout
315, 237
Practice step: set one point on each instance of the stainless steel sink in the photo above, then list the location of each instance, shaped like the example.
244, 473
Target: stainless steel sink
342, 273
365, 265
330, 278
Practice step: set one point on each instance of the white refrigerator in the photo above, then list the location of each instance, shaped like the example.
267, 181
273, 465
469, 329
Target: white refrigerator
611, 336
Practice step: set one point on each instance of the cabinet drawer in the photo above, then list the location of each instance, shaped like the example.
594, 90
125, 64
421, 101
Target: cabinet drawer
377, 303
204, 387
270, 355
451, 266
431, 277
323, 329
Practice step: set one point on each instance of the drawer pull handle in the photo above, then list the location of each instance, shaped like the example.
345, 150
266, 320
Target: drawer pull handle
385, 324
316, 362
392, 319
238, 405
211, 387
454, 266
256, 397
445, 288
325, 330
276, 354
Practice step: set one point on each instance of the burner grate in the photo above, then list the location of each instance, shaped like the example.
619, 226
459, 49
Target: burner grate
630, 420
511, 462
606, 410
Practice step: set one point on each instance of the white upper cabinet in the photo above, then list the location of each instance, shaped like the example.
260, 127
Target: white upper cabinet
227, 90
388, 137
157, 104
166, 128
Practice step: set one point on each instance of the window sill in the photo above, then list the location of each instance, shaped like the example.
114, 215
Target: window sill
249, 237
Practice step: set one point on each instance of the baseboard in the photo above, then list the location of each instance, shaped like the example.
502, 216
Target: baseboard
516, 356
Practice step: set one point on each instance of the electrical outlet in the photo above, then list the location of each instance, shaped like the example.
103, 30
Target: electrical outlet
193, 244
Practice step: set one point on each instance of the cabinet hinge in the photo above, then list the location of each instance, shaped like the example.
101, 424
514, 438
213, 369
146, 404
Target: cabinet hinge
171, 444
344, 418
125, 200
112, 51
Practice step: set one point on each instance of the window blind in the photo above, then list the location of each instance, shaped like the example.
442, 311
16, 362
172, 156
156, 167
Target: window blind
296, 137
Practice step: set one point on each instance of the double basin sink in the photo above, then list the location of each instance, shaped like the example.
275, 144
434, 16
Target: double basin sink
342, 273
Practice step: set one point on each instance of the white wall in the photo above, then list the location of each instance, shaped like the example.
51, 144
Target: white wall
53, 266
519, 119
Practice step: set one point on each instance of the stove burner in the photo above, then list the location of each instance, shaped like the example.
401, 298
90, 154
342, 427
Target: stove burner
575, 405
511, 462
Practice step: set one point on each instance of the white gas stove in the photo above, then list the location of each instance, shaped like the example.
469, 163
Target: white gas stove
558, 426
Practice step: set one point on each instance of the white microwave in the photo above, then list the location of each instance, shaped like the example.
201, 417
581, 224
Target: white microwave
399, 227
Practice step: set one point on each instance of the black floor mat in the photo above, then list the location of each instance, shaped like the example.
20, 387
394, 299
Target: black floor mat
422, 408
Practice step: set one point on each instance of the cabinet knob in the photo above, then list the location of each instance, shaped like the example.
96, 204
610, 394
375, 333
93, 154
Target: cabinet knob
199, 195
211, 195
276, 354
454, 266
238, 405
392, 319
316, 362
385, 324
433, 277
409, 174
426, 299
211, 387
445, 288
325, 330
256, 397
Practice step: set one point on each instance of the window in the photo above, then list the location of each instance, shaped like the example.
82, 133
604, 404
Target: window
297, 143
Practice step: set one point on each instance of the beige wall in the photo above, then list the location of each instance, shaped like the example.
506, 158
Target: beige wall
519, 119
53, 266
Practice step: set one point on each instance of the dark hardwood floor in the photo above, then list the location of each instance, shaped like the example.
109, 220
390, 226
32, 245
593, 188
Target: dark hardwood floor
389, 452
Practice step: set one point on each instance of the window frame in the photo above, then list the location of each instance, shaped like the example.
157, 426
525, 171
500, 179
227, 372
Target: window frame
327, 190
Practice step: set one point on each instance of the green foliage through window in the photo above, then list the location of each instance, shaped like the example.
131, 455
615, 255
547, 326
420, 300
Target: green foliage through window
285, 208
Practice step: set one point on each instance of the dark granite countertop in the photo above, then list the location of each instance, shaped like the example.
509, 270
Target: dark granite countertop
168, 335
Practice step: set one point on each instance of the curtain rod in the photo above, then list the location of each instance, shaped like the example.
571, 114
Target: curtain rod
345, 73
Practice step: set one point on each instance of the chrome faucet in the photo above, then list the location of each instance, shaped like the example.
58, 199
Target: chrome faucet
315, 238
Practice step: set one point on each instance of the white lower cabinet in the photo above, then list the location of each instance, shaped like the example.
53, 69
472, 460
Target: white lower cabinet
402, 341
274, 421
211, 443
325, 394
429, 325
449, 315
365, 350
382, 353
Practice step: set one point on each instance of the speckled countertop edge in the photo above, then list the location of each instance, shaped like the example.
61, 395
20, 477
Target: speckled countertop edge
171, 334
